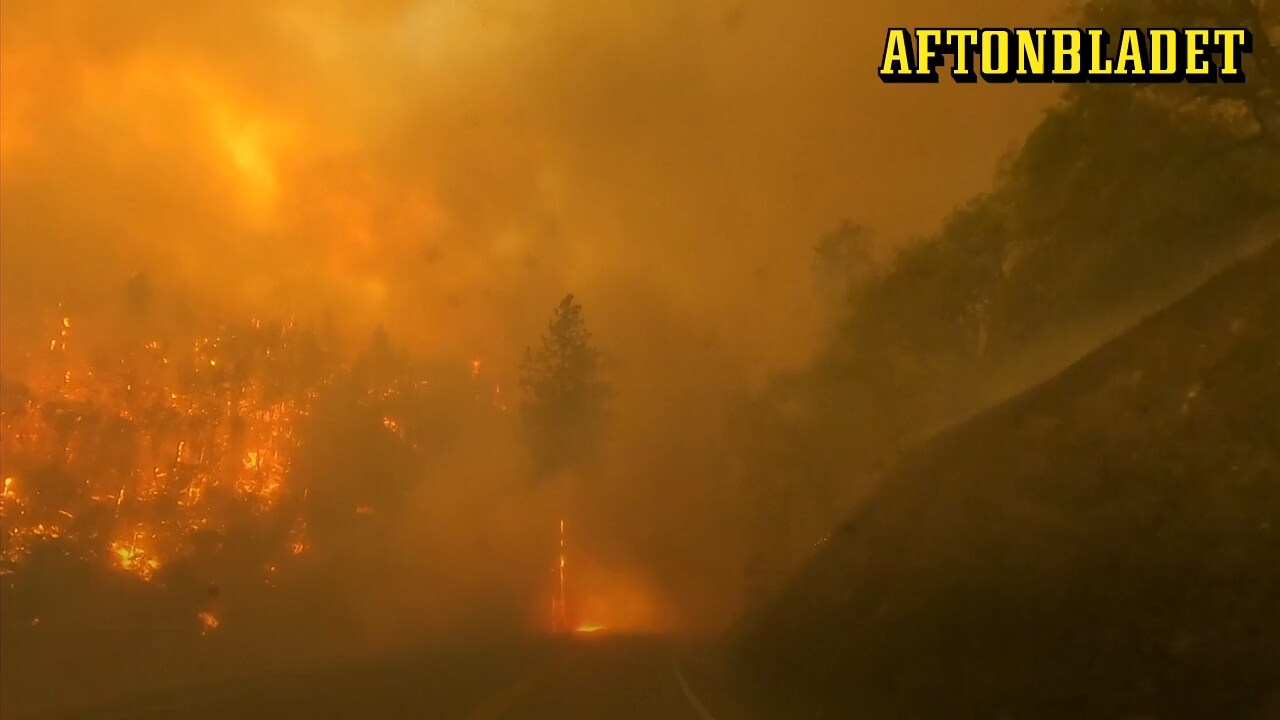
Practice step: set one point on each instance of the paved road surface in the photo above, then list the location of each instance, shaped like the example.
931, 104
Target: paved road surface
606, 678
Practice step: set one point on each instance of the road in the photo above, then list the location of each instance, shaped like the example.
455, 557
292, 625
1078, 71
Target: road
619, 678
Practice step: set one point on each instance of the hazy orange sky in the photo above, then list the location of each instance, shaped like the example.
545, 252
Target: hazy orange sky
453, 168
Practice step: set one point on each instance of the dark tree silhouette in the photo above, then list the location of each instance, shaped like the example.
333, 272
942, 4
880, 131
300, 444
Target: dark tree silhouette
842, 265
138, 294
565, 398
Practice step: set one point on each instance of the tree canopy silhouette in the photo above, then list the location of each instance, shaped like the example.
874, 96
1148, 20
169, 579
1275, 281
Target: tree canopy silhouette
565, 398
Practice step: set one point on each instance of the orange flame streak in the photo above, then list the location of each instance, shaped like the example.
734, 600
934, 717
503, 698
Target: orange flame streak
559, 608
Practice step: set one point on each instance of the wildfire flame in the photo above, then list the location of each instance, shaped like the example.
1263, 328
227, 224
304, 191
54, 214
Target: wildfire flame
132, 558
164, 441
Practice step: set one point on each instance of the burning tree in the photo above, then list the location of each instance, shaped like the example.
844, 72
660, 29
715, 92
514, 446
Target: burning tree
565, 398
214, 456
133, 457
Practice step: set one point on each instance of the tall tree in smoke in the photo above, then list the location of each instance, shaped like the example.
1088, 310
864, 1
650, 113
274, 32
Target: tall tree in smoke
138, 294
564, 395
842, 266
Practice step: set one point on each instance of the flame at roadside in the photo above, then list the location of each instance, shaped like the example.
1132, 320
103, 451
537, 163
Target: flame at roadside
598, 597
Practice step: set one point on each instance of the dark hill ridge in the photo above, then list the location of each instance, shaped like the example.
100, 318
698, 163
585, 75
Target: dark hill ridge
1106, 545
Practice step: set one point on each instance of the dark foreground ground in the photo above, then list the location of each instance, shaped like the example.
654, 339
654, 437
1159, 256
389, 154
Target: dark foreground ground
1106, 545
585, 677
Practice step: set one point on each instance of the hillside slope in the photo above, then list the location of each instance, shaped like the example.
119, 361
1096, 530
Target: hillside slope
1105, 545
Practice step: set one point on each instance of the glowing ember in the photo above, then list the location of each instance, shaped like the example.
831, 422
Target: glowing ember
130, 557
208, 622
253, 460
588, 628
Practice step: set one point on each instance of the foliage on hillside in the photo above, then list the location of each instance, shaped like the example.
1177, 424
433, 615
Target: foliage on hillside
1103, 546
1118, 202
